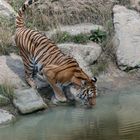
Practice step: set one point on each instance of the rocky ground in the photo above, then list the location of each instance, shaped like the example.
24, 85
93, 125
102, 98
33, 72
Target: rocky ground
122, 72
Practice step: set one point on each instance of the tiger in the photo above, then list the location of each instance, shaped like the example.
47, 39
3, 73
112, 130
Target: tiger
40, 55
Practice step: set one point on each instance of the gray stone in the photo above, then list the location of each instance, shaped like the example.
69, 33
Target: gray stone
28, 101
4, 100
6, 117
84, 28
84, 54
127, 37
6, 10
12, 71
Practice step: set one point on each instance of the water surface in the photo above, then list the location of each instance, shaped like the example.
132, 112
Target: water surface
115, 117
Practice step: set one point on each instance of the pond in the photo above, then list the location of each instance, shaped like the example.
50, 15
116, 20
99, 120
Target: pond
115, 117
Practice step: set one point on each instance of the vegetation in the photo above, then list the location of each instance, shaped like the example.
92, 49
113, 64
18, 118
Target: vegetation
6, 33
97, 36
62, 37
46, 14
124, 2
7, 90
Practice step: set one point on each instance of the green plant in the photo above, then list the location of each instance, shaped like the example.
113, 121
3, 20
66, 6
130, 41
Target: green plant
98, 36
62, 37
80, 38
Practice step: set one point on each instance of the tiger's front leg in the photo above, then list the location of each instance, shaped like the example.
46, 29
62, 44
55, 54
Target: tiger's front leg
59, 95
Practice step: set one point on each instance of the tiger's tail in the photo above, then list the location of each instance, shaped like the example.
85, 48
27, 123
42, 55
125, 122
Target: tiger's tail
20, 15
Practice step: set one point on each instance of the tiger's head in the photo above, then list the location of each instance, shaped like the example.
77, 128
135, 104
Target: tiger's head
88, 92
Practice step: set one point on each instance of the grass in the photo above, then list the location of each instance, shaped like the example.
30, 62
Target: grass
47, 14
6, 33
124, 2
7, 90
62, 37
97, 36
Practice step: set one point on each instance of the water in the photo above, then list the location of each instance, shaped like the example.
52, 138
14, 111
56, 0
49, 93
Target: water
115, 117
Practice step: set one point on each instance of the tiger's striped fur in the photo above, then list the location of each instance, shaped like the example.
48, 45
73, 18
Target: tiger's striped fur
41, 55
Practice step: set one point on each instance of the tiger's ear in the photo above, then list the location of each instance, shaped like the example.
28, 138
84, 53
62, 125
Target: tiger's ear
94, 79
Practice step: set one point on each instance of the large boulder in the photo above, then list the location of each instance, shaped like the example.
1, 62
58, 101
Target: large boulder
5, 117
6, 10
28, 101
12, 71
85, 55
127, 37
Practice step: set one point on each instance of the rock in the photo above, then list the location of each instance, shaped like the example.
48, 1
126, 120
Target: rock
28, 101
127, 37
84, 54
6, 10
6, 117
4, 100
84, 28
12, 71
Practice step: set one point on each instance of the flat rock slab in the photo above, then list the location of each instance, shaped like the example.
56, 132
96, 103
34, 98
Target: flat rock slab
28, 101
5, 117
84, 28
127, 37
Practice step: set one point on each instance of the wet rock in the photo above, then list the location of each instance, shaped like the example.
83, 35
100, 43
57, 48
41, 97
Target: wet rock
5, 117
4, 100
127, 37
28, 101
85, 55
6, 10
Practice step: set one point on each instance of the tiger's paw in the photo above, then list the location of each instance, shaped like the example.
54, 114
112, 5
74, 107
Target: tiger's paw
61, 99
56, 100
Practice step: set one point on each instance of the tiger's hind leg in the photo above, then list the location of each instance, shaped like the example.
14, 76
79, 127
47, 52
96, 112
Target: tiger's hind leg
29, 73
29, 79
